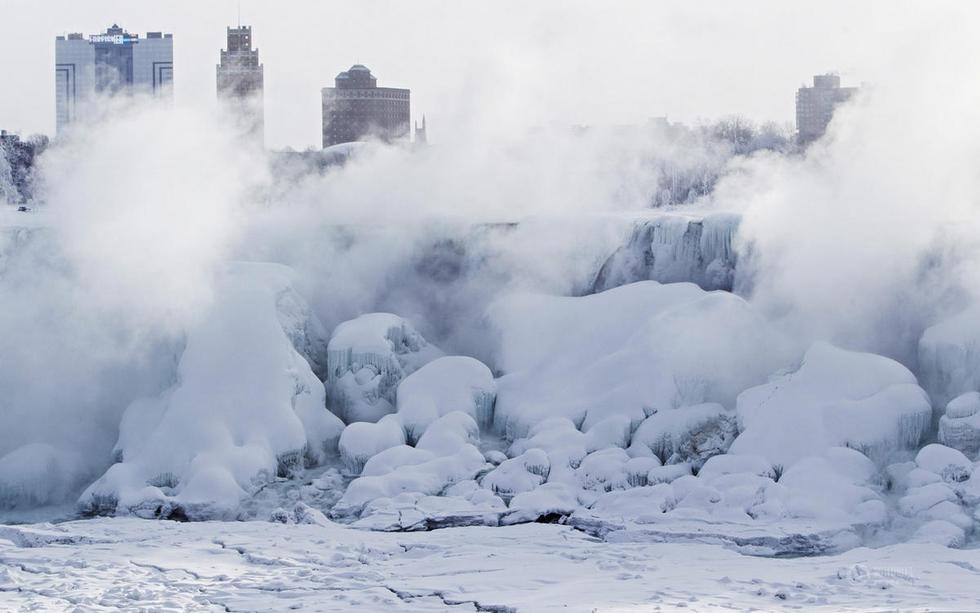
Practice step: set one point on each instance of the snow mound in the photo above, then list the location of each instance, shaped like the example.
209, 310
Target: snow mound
244, 407
949, 357
367, 358
959, 427
626, 352
453, 383
362, 440
836, 398
449, 434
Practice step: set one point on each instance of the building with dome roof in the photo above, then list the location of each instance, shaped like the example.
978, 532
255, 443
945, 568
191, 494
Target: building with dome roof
357, 109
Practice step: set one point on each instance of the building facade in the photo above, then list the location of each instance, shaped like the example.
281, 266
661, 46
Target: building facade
357, 109
241, 81
815, 105
112, 63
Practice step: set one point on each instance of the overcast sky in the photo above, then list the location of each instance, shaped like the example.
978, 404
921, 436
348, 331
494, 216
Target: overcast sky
504, 65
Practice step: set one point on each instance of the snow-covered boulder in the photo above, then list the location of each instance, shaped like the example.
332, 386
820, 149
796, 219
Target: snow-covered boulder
37, 474
626, 352
687, 434
939, 532
520, 474
613, 469
429, 478
549, 501
446, 435
394, 457
410, 511
948, 463
949, 357
558, 437
367, 358
959, 427
836, 398
244, 407
361, 440
452, 383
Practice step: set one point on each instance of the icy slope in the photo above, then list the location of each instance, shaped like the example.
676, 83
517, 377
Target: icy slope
949, 357
243, 407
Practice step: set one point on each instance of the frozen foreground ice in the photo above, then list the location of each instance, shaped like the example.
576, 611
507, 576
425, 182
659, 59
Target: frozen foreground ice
120, 563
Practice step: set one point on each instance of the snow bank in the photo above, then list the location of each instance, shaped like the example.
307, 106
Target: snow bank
244, 407
627, 352
687, 434
453, 383
949, 357
673, 248
367, 358
836, 398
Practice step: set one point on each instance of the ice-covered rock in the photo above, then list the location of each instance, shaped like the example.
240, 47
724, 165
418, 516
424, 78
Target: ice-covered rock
948, 463
429, 478
446, 435
367, 358
519, 474
836, 398
38, 474
558, 437
613, 469
959, 427
452, 383
244, 407
672, 248
626, 352
949, 357
547, 502
636, 504
687, 434
394, 457
611, 432
362, 440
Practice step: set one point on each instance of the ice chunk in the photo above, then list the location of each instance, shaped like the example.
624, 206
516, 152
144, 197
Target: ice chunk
265, 411
836, 398
453, 383
960, 426
361, 440
949, 356
367, 358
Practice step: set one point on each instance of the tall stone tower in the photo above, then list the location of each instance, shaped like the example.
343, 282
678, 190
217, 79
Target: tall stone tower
240, 82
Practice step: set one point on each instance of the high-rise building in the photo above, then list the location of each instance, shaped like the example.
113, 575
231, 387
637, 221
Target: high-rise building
815, 105
114, 62
240, 81
356, 109
421, 138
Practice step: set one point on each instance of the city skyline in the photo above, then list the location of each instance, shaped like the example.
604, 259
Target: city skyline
514, 79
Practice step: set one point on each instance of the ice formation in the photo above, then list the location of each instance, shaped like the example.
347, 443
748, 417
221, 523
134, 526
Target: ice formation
676, 247
836, 397
629, 352
362, 440
949, 357
959, 427
244, 407
452, 383
38, 474
367, 358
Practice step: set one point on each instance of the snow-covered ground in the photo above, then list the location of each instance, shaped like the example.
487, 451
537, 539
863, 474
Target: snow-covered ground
131, 564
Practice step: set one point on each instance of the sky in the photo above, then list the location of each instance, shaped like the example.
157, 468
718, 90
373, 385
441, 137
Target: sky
488, 67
